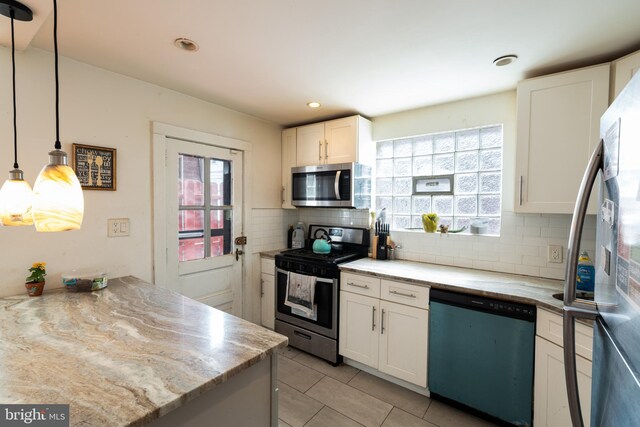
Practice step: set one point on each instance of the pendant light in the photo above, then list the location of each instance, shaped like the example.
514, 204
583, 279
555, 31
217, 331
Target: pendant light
15, 195
58, 203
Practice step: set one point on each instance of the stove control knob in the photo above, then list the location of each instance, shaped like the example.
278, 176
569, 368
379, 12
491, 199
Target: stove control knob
314, 270
323, 271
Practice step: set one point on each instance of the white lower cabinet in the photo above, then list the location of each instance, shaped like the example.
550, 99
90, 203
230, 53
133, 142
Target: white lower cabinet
267, 293
551, 407
550, 404
385, 335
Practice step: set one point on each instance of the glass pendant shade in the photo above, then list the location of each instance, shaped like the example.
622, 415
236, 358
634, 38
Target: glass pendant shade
15, 201
58, 202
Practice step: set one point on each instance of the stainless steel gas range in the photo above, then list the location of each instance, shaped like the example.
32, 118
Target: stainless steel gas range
317, 332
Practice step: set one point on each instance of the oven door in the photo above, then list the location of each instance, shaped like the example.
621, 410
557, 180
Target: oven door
326, 299
311, 186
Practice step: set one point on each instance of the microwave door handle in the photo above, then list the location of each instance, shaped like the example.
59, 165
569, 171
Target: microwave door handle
336, 185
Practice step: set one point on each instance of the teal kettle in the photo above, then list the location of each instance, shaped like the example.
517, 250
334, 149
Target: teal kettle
321, 245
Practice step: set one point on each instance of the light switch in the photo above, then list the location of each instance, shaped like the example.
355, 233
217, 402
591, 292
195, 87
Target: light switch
118, 227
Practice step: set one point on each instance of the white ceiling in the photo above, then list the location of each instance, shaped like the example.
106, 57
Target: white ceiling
268, 58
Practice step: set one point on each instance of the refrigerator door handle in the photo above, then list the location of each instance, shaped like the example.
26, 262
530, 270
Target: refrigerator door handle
577, 309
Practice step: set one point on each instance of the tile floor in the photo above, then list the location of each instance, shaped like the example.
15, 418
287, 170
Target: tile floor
315, 394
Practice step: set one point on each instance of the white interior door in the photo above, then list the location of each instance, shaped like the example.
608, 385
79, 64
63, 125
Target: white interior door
203, 216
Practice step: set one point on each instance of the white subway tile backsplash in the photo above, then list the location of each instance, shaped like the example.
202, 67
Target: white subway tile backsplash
521, 247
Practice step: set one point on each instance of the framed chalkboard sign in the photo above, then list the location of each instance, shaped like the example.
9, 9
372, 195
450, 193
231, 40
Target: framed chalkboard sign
95, 167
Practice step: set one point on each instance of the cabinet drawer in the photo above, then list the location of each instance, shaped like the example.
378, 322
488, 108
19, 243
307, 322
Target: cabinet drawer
405, 293
267, 266
549, 326
363, 285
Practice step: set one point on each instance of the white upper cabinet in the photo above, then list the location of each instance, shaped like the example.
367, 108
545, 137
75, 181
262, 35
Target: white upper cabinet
557, 130
288, 161
622, 70
310, 145
336, 141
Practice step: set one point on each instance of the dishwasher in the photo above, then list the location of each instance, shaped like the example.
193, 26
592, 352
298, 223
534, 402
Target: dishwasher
481, 355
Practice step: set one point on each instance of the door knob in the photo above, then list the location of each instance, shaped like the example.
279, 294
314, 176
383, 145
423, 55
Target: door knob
238, 253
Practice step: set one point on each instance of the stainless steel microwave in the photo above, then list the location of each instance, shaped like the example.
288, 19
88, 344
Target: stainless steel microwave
341, 185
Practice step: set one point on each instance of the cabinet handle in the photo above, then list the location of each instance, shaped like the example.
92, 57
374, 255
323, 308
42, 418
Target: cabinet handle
326, 149
319, 150
521, 181
382, 323
357, 285
261, 288
373, 317
402, 294
283, 190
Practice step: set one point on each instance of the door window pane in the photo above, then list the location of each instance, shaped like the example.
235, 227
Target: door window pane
220, 180
220, 232
190, 235
190, 180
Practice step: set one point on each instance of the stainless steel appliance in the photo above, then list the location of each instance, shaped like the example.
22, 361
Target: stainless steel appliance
481, 355
341, 185
317, 334
615, 397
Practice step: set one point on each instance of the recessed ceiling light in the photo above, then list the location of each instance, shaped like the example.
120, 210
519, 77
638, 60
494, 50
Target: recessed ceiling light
504, 60
186, 44
313, 104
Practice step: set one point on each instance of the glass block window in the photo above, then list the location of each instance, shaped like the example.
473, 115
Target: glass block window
472, 156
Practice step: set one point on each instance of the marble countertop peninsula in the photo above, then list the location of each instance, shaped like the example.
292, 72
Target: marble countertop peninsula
122, 356
510, 287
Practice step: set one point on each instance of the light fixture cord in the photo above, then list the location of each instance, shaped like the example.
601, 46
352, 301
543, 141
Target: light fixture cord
58, 146
13, 64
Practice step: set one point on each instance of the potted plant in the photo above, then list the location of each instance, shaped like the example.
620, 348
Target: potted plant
35, 281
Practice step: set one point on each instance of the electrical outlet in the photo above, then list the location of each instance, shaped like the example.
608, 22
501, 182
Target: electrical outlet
117, 227
554, 254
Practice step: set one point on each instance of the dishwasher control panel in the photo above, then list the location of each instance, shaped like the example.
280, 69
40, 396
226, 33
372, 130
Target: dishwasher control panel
482, 303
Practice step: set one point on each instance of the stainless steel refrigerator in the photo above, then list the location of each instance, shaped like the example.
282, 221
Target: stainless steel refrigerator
615, 396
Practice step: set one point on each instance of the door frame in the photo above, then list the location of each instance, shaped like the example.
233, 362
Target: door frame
161, 133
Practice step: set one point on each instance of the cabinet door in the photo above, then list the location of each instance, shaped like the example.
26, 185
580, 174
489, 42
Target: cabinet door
557, 130
341, 137
310, 145
267, 300
288, 161
359, 327
551, 407
623, 69
403, 342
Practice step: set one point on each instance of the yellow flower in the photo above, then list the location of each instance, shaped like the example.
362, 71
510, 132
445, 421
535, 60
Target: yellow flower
39, 265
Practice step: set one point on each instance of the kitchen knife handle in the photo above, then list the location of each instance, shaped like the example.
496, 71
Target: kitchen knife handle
577, 309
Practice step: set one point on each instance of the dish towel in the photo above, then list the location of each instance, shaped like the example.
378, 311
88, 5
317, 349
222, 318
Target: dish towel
301, 290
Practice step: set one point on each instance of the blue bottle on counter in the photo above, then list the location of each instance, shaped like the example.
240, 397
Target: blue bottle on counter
585, 276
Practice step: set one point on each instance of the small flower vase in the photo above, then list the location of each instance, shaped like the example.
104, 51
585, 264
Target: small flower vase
34, 289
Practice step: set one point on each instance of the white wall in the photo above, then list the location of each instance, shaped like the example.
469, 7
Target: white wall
107, 109
522, 245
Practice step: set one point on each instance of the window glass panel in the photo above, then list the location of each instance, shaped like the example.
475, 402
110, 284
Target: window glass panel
467, 161
491, 137
490, 159
402, 205
443, 164
384, 150
460, 222
422, 165
489, 205
490, 182
444, 143
401, 221
421, 204
416, 221
190, 180
402, 186
402, 167
384, 203
422, 145
443, 205
468, 140
466, 183
402, 148
190, 235
384, 186
220, 179
465, 205
384, 168
220, 232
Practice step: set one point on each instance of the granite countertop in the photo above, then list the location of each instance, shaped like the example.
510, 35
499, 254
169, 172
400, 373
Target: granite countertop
271, 254
511, 287
122, 356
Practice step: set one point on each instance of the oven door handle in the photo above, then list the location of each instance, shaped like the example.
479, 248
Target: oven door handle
318, 279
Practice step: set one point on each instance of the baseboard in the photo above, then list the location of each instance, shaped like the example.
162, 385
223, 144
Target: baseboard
369, 370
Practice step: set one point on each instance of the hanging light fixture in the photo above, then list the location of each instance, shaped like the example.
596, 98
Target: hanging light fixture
15, 195
58, 203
